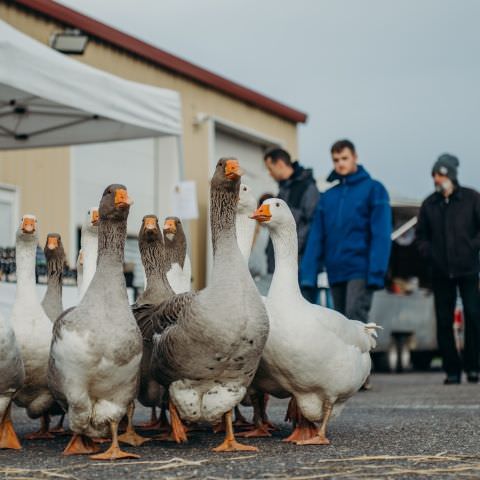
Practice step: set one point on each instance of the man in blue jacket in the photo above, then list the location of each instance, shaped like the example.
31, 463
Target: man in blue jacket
350, 235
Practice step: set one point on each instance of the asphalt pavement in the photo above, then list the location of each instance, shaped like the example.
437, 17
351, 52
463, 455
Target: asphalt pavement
408, 426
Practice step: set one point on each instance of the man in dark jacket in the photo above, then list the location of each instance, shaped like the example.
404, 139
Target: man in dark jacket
298, 189
448, 236
350, 235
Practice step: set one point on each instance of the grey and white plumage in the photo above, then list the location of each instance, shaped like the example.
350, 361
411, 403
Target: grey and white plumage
97, 347
152, 251
55, 255
207, 345
179, 272
32, 327
12, 374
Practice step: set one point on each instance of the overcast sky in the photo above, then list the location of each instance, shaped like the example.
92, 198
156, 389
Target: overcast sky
400, 78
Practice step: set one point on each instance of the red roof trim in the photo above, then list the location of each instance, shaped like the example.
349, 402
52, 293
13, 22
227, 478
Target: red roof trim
160, 57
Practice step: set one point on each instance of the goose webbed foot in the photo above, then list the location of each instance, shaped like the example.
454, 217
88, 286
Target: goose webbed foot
81, 445
43, 433
8, 437
159, 424
304, 430
260, 431
59, 429
130, 436
316, 440
230, 444
260, 428
320, 438
114, 452
179, 432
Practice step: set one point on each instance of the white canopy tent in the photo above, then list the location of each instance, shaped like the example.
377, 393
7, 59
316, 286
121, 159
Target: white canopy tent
49, 99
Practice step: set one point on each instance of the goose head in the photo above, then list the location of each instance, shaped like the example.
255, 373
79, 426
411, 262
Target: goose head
173, 228
246, 202
275, 213
28, 230
115, 203
150, 230
54, 248
90, 225
227, 175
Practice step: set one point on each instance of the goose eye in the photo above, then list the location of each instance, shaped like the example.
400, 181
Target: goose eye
277, 204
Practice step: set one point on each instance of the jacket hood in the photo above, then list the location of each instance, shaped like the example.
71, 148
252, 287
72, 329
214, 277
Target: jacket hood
300, 173
360, 175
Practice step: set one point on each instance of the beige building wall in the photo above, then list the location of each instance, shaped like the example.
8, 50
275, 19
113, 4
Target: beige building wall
196, 98
42, 176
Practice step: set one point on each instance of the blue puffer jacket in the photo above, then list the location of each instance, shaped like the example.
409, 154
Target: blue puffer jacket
350, 232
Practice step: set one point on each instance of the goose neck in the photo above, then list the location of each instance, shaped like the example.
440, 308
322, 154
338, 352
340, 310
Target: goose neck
111, 244
25, 263
90, 254
245, 230
285, 245
223, 203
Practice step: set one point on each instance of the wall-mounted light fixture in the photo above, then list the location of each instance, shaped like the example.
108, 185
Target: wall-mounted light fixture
69, 41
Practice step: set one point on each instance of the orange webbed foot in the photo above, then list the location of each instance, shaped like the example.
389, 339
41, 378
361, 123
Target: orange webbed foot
114, 453
234, 446
81, 445
132, 438
316, 440
8, 437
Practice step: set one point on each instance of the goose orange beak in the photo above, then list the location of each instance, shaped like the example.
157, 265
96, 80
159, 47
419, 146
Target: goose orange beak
52, 243
170, 226
122, 200
94, 216
150, 223
262, 214
28, 225
232, 170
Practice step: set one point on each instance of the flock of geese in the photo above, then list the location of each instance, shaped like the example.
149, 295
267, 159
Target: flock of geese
195, 354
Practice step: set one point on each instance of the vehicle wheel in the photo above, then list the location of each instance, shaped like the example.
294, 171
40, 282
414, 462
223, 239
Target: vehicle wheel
405, 359
380, 361
422, 360
395, 359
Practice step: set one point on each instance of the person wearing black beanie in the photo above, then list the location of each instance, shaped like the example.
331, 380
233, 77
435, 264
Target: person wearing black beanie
448, 236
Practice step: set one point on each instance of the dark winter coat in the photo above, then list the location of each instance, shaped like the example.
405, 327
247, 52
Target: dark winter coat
448, 232
301, 194
350, 232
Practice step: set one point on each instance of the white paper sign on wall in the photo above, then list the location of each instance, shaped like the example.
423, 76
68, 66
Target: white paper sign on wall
185, 205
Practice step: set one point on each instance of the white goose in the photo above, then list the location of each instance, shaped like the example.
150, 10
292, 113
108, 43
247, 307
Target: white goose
313, 353
89, 251
33, 330
179, 274
244, 226
12, 376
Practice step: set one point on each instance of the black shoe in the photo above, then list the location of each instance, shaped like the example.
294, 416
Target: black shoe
452, 379
472, 377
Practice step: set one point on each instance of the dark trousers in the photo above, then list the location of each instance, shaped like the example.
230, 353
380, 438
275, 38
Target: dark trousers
353, 299
445, 293
311, 294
